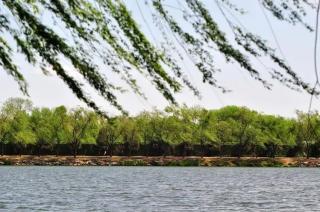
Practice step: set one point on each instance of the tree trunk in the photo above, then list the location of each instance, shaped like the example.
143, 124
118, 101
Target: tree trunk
146, 151
110, 152
255, 151
202, 148
57, 150
308, 150
39, 150
220, 150
75, 151
20, 150
239, 151
185, 150
274, 150
2, 148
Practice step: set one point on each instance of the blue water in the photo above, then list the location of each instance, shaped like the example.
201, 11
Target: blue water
158, 189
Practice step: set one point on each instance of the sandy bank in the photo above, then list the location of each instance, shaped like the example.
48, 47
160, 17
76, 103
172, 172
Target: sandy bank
48, 160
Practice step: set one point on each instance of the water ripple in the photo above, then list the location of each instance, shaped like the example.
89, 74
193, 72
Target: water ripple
158, 189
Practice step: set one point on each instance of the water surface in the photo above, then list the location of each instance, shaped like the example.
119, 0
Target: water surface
158, 189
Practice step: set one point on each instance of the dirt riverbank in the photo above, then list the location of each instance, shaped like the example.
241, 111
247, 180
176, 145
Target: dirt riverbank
27, 160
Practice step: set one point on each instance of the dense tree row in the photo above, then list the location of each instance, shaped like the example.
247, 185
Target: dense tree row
229, 131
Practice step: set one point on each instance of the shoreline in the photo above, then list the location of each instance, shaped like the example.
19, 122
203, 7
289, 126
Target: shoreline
51, 160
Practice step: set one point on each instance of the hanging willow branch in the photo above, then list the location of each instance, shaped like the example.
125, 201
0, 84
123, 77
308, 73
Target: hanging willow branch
99, 36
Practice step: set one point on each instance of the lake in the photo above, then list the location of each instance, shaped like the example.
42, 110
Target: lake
159, 189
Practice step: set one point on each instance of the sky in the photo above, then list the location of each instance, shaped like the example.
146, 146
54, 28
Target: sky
295, 41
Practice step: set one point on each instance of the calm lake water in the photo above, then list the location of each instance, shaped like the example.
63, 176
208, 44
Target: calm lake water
158, 189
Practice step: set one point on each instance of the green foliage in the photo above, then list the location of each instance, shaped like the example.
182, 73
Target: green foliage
133, 163
276, 132
104, 35
16, 128
185, 162
59, 124
129, 134
109, 135
258, 163
82, 127
307, 129
229, 131
42, 127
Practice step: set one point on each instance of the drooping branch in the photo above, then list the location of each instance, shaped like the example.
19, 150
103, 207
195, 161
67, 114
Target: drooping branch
105, 36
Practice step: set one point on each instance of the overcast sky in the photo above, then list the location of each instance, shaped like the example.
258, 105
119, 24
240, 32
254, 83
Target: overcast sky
296, 43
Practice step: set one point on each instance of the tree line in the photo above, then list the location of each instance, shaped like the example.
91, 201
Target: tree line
181, 131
